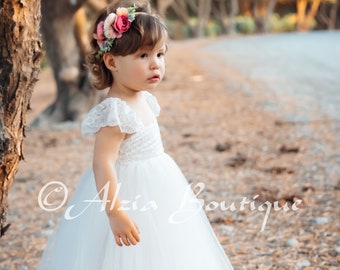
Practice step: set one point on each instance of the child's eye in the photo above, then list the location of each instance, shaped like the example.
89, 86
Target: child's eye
144, 55
161, 54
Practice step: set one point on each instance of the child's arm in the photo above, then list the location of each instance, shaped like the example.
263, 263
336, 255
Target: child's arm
107, 143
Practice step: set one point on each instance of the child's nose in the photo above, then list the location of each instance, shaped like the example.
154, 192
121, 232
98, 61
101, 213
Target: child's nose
155, 63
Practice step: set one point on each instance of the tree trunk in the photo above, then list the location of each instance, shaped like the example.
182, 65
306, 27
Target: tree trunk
311, 14
220, 12
333, 16
304, 20
20, 55
81, 31
162, 6
234, 8
97, 5
262, 11
327, 15
180, 9
301, 6
204, 8
258, 14
74, 94
246, 7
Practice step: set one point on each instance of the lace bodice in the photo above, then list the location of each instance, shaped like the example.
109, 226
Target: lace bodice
146, 140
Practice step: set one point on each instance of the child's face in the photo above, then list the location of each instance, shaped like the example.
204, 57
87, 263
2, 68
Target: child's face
143, 70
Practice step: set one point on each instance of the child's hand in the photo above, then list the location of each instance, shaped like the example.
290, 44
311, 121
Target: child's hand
124, 229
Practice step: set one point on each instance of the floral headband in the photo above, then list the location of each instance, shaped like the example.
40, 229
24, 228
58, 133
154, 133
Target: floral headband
113, 27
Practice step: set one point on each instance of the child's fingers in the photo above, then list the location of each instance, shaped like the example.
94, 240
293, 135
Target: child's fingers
117, 238
135, 234
122, 239
133, 239
125, 240
136, 227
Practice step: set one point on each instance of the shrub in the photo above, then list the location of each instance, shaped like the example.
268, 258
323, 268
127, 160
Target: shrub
245, 25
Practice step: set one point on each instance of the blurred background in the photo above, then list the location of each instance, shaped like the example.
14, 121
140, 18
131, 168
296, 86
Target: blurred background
65, 28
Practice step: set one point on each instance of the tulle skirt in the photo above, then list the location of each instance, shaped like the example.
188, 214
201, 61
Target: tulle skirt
175, 233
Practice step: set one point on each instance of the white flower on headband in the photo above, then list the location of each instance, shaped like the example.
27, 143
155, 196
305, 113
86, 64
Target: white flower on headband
108, 23
113, 27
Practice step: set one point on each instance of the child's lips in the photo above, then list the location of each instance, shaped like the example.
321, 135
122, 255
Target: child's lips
155, 78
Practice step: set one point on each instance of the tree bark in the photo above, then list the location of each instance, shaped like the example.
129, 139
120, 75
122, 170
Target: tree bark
20, 55
74, 94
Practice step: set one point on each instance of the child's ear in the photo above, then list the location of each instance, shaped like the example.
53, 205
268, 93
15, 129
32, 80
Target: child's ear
110, 61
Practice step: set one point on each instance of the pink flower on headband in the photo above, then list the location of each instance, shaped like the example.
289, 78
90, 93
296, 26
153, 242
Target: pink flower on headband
100, 33
122, 24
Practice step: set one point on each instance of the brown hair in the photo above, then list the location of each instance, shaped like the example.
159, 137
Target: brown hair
146, 31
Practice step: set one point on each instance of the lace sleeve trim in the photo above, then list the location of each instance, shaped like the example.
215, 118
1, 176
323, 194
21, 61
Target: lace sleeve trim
153, 103
111, 112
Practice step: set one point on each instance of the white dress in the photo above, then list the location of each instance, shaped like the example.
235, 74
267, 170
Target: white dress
174, 230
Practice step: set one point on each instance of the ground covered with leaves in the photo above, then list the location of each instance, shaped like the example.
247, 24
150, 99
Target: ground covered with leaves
271, 187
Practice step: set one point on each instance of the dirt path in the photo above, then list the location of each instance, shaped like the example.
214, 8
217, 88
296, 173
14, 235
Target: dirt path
218, 136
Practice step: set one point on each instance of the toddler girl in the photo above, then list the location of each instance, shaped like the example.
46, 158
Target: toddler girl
148, 217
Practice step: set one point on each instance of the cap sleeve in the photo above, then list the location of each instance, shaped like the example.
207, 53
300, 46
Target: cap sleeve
110, 112
153, 103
